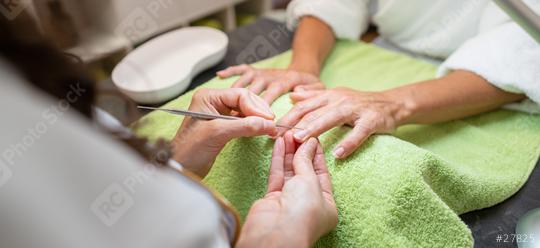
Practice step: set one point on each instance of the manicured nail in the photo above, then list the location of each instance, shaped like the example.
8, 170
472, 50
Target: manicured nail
300, 135
338, 152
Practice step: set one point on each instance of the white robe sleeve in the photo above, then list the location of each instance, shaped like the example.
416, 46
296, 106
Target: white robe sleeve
347, 18
66, 184
507, 57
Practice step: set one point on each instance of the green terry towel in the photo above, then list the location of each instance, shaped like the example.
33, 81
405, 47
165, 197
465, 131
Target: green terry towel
401, 190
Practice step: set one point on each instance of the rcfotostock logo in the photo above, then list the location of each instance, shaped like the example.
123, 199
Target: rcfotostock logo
259, 48
12, 8
141, 22
117, 198
5, 174
112, 204
50, 116
263, 46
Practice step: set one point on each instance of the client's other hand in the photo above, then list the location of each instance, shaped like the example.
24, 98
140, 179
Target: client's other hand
275, 82
298, 207
319, 111
198, 142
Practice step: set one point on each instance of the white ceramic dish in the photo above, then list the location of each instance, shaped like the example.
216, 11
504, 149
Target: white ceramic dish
163, 67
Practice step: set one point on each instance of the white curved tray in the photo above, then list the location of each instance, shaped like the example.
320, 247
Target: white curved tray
163, 67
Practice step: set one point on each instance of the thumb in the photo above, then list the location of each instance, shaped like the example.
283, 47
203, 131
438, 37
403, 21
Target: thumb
251, 104
303, 159
240, 99
245, 127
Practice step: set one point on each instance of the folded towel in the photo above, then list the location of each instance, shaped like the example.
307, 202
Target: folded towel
401, 190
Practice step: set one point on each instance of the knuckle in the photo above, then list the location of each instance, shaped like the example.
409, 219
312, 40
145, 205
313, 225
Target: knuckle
261, 80
343, 113
301, 107
310, 117
243, 92
364, 130
253, 125
279, 87
251, 129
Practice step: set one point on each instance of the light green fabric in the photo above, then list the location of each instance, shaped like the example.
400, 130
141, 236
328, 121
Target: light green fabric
400, 190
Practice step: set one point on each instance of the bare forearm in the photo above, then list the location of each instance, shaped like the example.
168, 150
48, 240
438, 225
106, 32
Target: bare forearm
457, 95
312, 43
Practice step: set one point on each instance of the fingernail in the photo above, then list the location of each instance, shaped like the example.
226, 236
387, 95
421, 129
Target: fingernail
338, 152
300, 135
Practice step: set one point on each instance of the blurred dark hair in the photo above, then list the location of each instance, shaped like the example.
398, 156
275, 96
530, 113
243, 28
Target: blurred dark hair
56, 73
41, 63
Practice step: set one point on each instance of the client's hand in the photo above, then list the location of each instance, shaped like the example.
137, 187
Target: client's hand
299, 206
198, 142
275, 82
368, 113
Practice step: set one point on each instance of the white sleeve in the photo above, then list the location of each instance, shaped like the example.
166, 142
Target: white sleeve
65, 184
347, 18
506, 56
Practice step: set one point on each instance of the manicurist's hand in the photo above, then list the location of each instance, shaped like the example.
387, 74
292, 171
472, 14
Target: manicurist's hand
318, 111
274, 82
198, 142
298, 207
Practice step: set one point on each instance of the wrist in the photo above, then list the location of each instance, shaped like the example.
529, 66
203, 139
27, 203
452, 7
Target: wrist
190, 139
309, 68
406, 103
273, 237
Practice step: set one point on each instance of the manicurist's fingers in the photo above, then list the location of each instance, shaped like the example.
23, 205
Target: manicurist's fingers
319, 165
354, 139
290, 149
277, 170
303, 159
240, 99
246, 127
